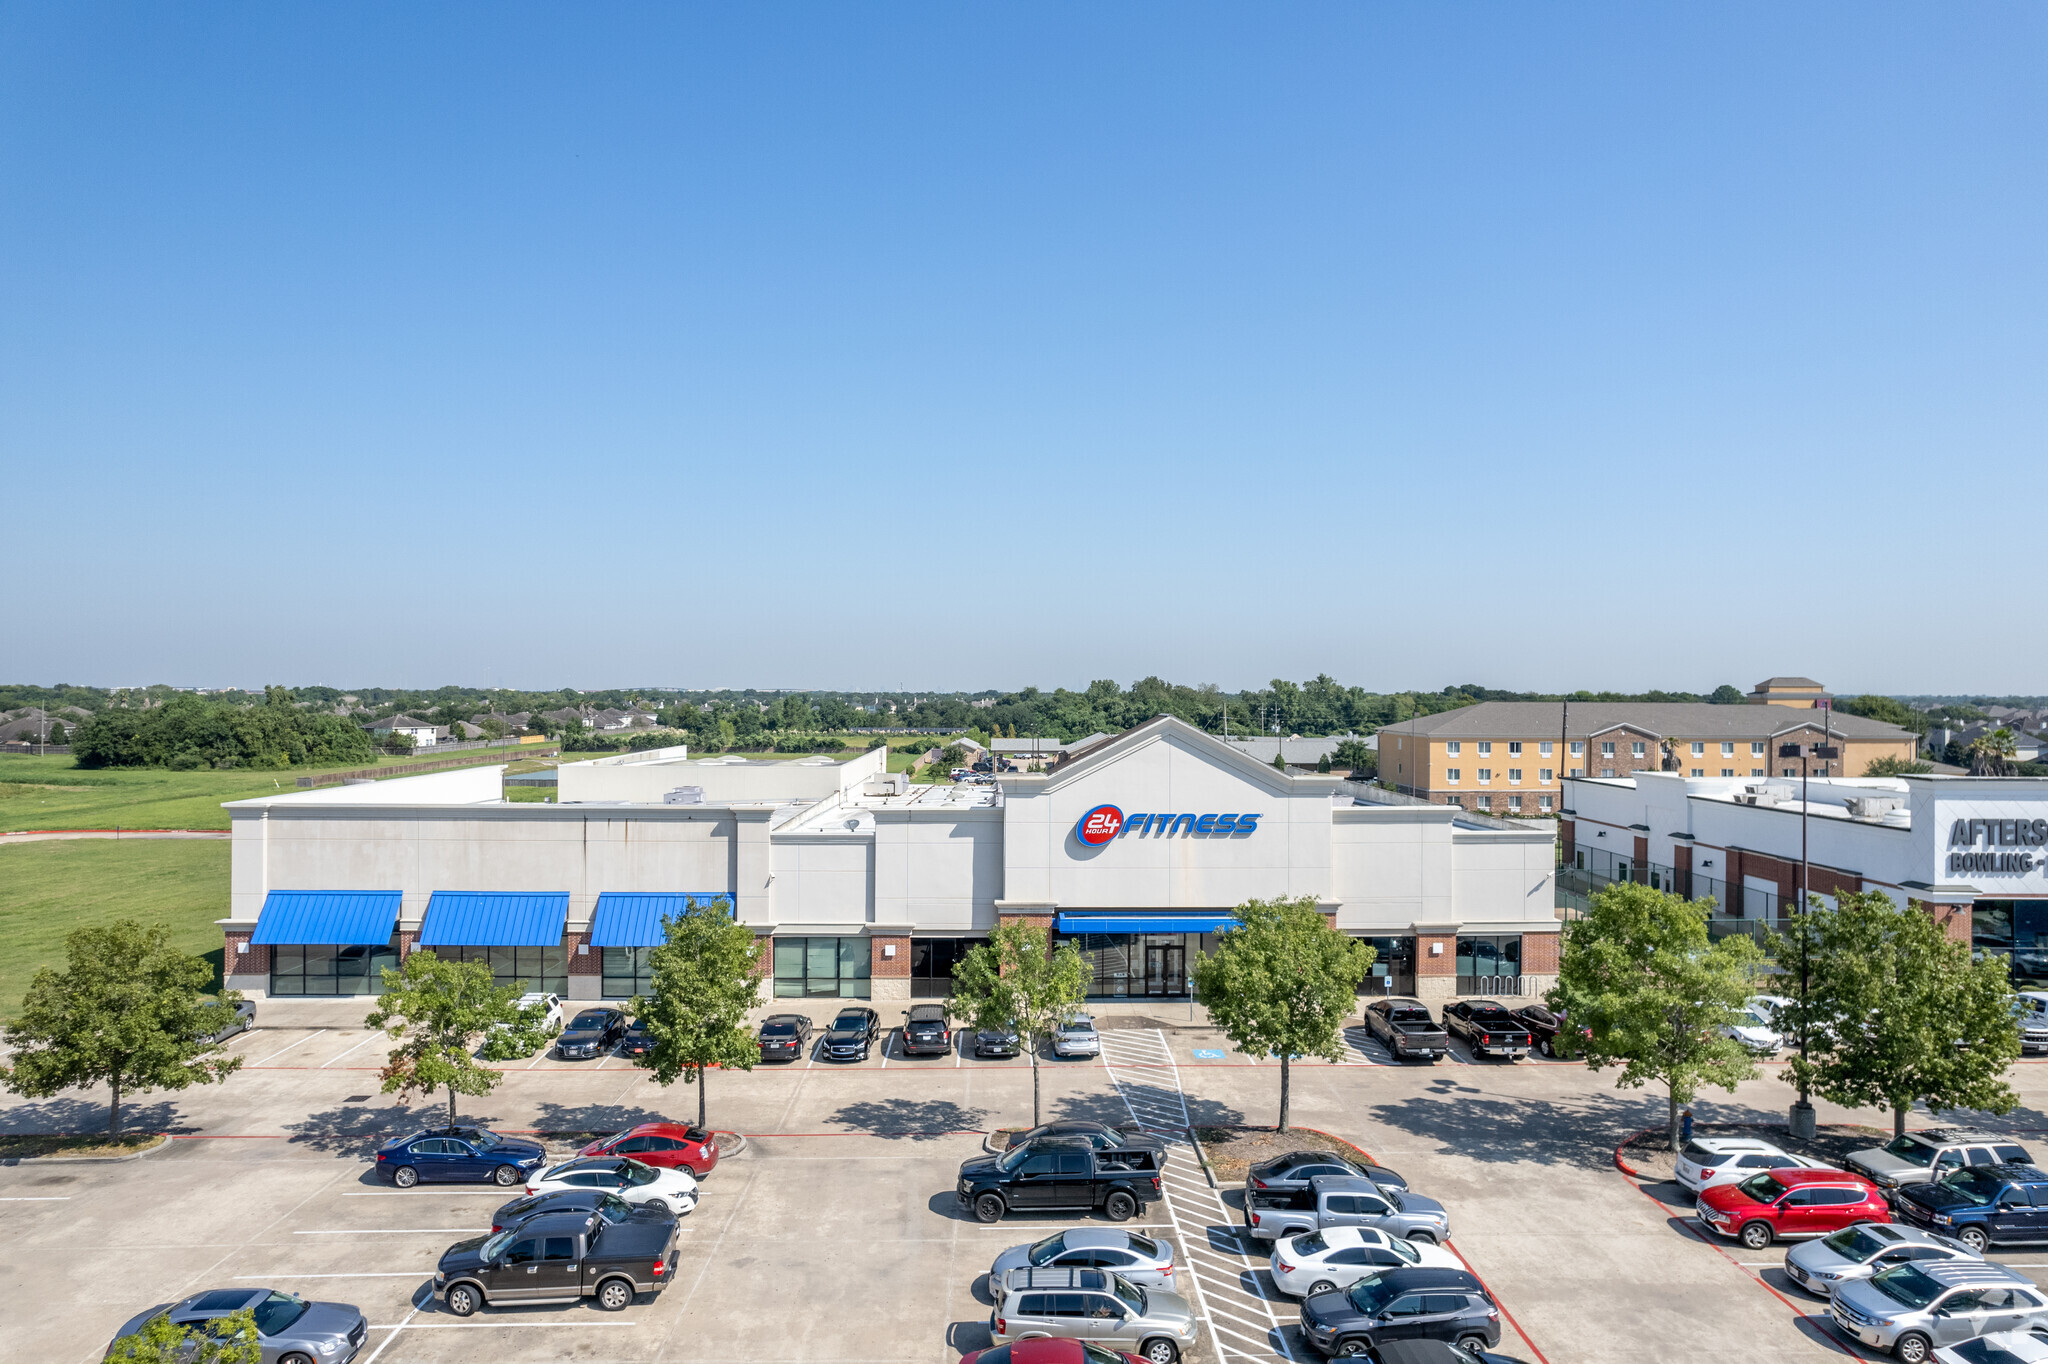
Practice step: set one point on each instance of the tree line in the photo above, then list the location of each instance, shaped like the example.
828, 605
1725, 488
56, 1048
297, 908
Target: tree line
188, 732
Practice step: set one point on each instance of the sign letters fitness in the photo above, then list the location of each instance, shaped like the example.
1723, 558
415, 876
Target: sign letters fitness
1997, 833
1106, 822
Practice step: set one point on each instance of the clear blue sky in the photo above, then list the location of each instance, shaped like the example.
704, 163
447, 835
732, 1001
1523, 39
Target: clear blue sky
969, 345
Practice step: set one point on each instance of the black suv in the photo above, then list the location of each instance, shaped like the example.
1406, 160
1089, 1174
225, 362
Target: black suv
594, 1032
925, 1032
1403, 1304
1981, 1206
852, 1035
1063, 1173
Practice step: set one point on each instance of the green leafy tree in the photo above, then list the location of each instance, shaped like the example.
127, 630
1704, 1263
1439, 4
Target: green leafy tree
231, 1339
57, 735
1725, 695
1353, 753
1885, 709
1017, 980
1890, 766
1282, 982
435, 1010
706, 976
1640, 973
1896, 1011
128, 1011
1994, 755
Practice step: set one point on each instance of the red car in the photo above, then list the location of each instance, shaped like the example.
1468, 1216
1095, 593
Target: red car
670, 1145
1788, 1205
1045, 1350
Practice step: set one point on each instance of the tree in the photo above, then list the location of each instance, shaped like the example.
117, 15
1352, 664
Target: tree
435, 1009
1886, 709
1017, 981
705, 979
1640, 973
1354, 754
1994, 754
1282, 983
1725, 695
128, 1011
1896, 1011
1889, 766
231, 1339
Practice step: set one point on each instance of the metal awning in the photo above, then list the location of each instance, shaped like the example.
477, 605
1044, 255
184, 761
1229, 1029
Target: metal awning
1147, 923
634, 918
342, 918
488, 918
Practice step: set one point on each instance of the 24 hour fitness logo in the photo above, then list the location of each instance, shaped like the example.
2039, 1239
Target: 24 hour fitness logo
1100, 825
1106, 822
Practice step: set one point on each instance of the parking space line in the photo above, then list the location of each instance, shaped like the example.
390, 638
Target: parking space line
388, 1274
45, 1198
408, 1193
387, 1231
492, 1326
385, 1343
356, 1048
282, 1050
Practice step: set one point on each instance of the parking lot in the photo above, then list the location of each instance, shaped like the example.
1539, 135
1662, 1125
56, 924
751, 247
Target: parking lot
835, 1235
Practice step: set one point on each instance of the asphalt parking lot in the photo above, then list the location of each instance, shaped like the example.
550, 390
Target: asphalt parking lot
834, 1234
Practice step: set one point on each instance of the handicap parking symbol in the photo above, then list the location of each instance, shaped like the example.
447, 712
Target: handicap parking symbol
1207, 1054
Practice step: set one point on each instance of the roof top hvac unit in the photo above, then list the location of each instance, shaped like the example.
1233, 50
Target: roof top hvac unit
1762, 795
684, 795
1872, 807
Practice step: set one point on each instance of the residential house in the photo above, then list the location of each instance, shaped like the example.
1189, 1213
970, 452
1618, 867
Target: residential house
422, 733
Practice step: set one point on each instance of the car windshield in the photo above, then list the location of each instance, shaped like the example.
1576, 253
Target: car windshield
1132, 1296
848, 1021
1145, 1246
1046, 1249
1762, 1188
592, 1019
778, 1030
482, 1140
1911, 1151
1370, 1294
1907, 1284
999, 1355
491, 1247
637, 1174
278, 1311
1855, 1244
1311, 1244
1012, 1158
1404, 1250
1409, 1015
613, 1208
1976, 1185
1986, 1351
1751, 1018
1078, 1025
1094, 1354
1492, 1015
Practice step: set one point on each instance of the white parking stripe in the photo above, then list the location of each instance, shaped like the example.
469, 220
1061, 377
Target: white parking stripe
444, 1193
46, 1198
391, 1231
490, 1326
374, 1036
394, 1330
282, 1050
394, 1274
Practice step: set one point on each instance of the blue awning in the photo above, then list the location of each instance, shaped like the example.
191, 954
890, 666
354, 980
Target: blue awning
1146, 923
343, 918
487, 918
632, 918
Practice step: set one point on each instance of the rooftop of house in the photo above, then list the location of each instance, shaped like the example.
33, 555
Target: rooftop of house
1658, 719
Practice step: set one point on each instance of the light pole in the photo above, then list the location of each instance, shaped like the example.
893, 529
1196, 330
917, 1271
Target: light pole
1802, 1115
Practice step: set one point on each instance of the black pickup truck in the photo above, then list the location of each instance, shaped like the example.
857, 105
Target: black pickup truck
1062, 1173
1405, 1028
1488, 1028
559, 1257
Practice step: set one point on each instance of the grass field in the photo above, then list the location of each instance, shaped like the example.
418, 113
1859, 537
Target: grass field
48, 889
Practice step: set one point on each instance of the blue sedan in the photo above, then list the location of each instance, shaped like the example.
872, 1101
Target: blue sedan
457, 1155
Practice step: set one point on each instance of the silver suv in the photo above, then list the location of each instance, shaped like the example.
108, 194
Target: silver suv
1932, 1154
1095, 1305
1915, 1308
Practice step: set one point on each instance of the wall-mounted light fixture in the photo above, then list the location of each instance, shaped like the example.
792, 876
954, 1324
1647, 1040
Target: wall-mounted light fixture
1600, 833
1708, 863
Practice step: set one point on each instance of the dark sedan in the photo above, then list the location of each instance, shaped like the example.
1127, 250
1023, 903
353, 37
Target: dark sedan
1096, 1134
594, 1032
444, 1155
785, 1037
995, 1042
287, 1326
637, 1041
603, 1202
852, 1035
1296, 1168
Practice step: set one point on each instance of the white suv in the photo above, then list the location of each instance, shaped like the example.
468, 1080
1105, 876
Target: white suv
1077, 1037
1709, 1161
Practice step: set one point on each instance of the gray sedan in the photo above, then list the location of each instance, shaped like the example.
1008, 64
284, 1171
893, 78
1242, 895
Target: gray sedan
1820, 1267
287, 1326
1144, 1260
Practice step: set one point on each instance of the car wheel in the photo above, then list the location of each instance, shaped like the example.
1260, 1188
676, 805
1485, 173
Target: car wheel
689, 1170
1546, 1048
1321, 1286
1161, 1351
1975, 1238
1351, 1349
658, 1204
1421, 1238
1120, 1207
405, 1176
295, 1358
1474, 1345
1756, 1235
615, 1295
463, 1300
505, 1176
1911, 1348
988, 1208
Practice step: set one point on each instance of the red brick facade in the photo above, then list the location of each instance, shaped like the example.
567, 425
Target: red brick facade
1043, 921
884, 966
1445, 960
584, 962
254, 962
1539, 953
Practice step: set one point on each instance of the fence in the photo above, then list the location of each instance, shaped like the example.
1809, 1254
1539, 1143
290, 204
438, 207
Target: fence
457, 745
35, 750
1591, 870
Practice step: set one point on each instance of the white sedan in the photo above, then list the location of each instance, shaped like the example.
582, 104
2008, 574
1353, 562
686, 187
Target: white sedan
1709, 1161
1337, 1257
643, 1186
2001, 1347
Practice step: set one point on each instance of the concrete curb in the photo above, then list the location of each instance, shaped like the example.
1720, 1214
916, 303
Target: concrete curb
1208, 1172
88, 1160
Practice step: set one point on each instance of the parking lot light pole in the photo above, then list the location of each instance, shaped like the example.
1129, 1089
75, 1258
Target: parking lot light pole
1802, 1118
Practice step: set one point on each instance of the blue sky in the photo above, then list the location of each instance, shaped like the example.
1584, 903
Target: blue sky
975, 345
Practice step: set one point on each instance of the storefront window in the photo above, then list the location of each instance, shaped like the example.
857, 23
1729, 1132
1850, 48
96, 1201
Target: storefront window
822, 968
1393, 967
1490, 964
626, 972
931, 964
543, 969
2017, 929
1132, 965
330, 970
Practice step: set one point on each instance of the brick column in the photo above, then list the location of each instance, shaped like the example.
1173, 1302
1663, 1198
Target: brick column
1568, 839
408, 939
889, 973
1954, 919
1436, 977
1681, 868
586, 966
1539, 962
254, 962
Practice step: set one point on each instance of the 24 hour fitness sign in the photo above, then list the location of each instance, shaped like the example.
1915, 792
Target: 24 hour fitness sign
1105, 822
1996, 834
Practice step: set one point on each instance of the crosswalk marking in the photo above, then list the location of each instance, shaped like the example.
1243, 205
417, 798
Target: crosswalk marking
1241, 1321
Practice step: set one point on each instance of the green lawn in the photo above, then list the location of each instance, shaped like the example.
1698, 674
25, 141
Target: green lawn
52, 793
48, 889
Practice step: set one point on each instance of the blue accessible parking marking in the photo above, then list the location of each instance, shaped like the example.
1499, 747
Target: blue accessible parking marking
1207, 1054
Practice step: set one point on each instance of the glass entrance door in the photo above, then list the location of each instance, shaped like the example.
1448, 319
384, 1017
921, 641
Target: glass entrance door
1166, 970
